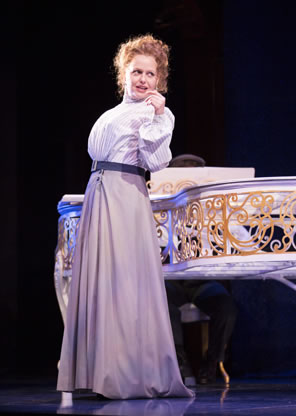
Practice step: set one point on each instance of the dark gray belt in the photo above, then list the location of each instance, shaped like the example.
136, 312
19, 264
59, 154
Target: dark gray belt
119, 167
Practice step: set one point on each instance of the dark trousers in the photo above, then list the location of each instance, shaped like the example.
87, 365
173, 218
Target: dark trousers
214, 300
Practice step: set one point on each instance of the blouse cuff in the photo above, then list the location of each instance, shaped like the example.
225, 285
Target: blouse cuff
159, 118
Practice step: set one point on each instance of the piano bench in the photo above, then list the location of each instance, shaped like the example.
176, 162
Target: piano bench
196, 334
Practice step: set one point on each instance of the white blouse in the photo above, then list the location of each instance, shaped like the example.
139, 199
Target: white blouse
132, 133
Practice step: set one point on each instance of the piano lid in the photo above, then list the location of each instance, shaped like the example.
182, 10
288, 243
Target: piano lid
172, 180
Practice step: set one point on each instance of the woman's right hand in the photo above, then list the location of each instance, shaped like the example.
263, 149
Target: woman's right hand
157, 100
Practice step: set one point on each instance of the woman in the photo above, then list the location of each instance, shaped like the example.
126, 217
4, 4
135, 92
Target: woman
118, 339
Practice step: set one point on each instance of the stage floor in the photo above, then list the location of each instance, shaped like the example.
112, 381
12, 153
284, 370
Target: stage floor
24, 396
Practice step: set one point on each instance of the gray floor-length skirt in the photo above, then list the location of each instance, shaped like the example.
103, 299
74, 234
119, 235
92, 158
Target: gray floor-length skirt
118, 339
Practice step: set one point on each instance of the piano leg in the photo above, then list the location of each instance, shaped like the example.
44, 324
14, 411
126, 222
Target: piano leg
224, 373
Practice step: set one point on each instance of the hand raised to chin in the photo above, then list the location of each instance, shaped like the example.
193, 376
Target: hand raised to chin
157, 100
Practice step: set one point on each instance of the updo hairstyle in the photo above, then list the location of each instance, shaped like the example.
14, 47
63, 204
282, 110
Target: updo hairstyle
142, 45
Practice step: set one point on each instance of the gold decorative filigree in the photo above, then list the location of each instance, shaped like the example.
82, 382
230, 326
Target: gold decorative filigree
235, 224
161, 219
287, 218
251, 212
169, 188
188, 223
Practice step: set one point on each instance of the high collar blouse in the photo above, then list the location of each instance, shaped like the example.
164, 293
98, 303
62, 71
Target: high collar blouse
132, 133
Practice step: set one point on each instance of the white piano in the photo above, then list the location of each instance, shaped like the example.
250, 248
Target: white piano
212, 223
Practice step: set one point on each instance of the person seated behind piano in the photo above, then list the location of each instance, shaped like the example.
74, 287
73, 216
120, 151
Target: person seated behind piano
212, 298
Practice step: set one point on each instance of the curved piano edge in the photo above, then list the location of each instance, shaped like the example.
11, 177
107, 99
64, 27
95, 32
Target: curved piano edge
167, 201
269, 261
268, 276
262, 267
240, 186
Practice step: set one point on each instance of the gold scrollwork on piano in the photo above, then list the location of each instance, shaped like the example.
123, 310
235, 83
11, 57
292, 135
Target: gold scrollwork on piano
188, 225
169, 188
287, 218
162, 227
230, 224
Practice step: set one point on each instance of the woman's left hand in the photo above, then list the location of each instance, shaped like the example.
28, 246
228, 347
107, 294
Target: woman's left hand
157, 100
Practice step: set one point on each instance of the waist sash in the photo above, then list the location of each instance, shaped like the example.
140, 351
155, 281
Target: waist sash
119, 167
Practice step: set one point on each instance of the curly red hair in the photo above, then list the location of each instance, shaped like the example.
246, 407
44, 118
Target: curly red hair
142, 45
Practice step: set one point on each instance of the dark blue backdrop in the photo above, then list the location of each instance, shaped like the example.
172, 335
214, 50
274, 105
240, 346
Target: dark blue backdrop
260, 85
259, 131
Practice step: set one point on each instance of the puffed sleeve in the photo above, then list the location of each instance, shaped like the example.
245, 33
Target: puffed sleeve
155, 134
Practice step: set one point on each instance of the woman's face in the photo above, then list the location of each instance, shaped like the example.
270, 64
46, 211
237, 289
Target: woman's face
141, 76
